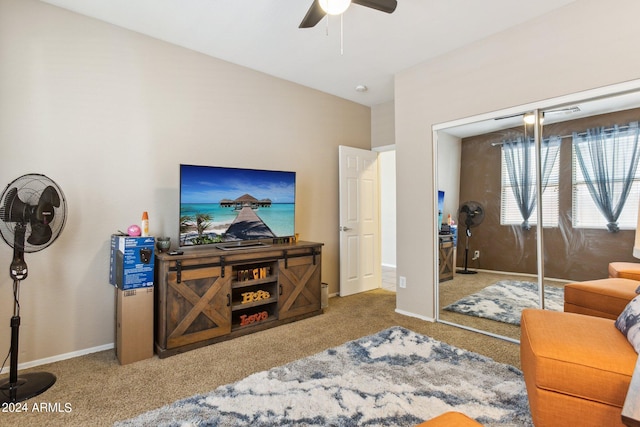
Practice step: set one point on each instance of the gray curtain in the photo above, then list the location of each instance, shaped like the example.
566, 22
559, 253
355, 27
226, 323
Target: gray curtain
520, 159
608, 159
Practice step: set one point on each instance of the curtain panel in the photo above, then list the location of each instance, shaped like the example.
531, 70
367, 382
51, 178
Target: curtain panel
520, 158
608, 160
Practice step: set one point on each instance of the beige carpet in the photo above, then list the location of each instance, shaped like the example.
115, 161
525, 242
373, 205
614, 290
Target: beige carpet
99, 391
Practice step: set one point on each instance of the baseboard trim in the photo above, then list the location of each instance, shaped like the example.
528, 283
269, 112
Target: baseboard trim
59, 357
533, 276
418, 316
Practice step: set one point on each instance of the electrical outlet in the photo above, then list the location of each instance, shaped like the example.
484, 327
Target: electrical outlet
403, 282
476, 255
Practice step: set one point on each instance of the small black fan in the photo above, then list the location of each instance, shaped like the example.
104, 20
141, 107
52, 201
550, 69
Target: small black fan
316, 12
471, 215
32, 216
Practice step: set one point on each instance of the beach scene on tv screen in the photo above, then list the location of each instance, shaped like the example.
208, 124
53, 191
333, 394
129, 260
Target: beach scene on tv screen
225, 204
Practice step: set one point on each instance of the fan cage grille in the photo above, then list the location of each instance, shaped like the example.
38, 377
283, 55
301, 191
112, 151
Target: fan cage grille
30, 187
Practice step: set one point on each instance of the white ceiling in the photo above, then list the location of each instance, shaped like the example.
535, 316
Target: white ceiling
263, 35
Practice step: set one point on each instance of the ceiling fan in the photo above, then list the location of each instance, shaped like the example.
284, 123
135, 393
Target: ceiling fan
316, 12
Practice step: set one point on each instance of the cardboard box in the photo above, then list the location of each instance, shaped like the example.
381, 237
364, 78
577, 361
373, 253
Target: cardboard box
131, 262
134, 325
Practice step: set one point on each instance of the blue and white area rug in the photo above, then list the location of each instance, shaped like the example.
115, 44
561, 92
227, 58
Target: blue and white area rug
393, 378
505, 300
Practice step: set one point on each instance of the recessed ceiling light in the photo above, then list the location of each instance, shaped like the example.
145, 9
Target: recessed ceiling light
361, 88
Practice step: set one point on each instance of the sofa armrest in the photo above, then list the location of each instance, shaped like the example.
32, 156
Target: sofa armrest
602, 298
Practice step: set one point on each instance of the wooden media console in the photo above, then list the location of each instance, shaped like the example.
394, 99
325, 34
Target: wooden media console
207, 295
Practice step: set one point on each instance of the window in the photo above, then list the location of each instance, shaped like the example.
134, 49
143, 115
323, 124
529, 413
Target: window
610, 159
510, 209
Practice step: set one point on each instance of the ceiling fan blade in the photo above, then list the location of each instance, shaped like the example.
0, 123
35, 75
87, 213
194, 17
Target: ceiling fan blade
387, 6
313, 16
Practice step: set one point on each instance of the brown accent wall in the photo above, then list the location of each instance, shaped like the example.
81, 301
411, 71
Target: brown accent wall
572, 254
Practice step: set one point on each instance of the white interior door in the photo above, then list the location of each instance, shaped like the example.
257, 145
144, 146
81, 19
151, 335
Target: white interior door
360, 264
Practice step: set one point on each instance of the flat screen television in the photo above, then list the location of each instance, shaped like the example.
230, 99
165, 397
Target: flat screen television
233, 207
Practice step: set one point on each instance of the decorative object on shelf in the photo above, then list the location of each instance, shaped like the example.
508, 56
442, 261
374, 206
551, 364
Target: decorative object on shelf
286, 240
253, 318
248, 297
144, 224
253, 274
163, 243
134, 230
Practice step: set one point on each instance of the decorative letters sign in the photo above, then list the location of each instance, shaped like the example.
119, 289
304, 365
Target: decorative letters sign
253, 274
248, 297
249, 319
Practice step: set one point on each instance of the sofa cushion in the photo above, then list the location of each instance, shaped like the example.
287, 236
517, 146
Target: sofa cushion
625, 270
603, 298
629, 323
581, 356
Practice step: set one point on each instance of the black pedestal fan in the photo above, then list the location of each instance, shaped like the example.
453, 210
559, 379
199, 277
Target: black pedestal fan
32, 216
471, 215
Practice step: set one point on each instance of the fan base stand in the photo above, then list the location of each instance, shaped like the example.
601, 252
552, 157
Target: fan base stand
466, 272
27, 386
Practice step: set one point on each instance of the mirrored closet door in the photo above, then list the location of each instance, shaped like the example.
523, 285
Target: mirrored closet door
488, 176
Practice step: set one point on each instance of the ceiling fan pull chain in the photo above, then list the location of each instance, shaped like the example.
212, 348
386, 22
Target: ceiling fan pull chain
327, 26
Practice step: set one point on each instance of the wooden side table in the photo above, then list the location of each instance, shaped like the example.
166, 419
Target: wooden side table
445, 257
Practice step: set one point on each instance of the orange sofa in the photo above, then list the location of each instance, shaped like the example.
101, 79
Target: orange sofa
577, 366
625, 270
451, 419
603, 298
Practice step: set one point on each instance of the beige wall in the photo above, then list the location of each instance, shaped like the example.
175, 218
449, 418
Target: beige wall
383, 125
109, 114
387, 173
554, 55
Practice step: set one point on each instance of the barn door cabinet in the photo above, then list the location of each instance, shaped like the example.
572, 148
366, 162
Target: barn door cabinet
209, 295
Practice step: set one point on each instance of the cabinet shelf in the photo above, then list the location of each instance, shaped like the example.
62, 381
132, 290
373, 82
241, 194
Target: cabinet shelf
240, 306
245, 283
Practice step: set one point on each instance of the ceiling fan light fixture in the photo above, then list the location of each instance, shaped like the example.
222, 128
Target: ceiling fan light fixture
334, 7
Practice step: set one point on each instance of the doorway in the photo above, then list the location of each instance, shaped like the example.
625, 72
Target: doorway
357, 250
387, 167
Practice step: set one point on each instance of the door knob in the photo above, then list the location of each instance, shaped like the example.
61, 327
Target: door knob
343, 228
